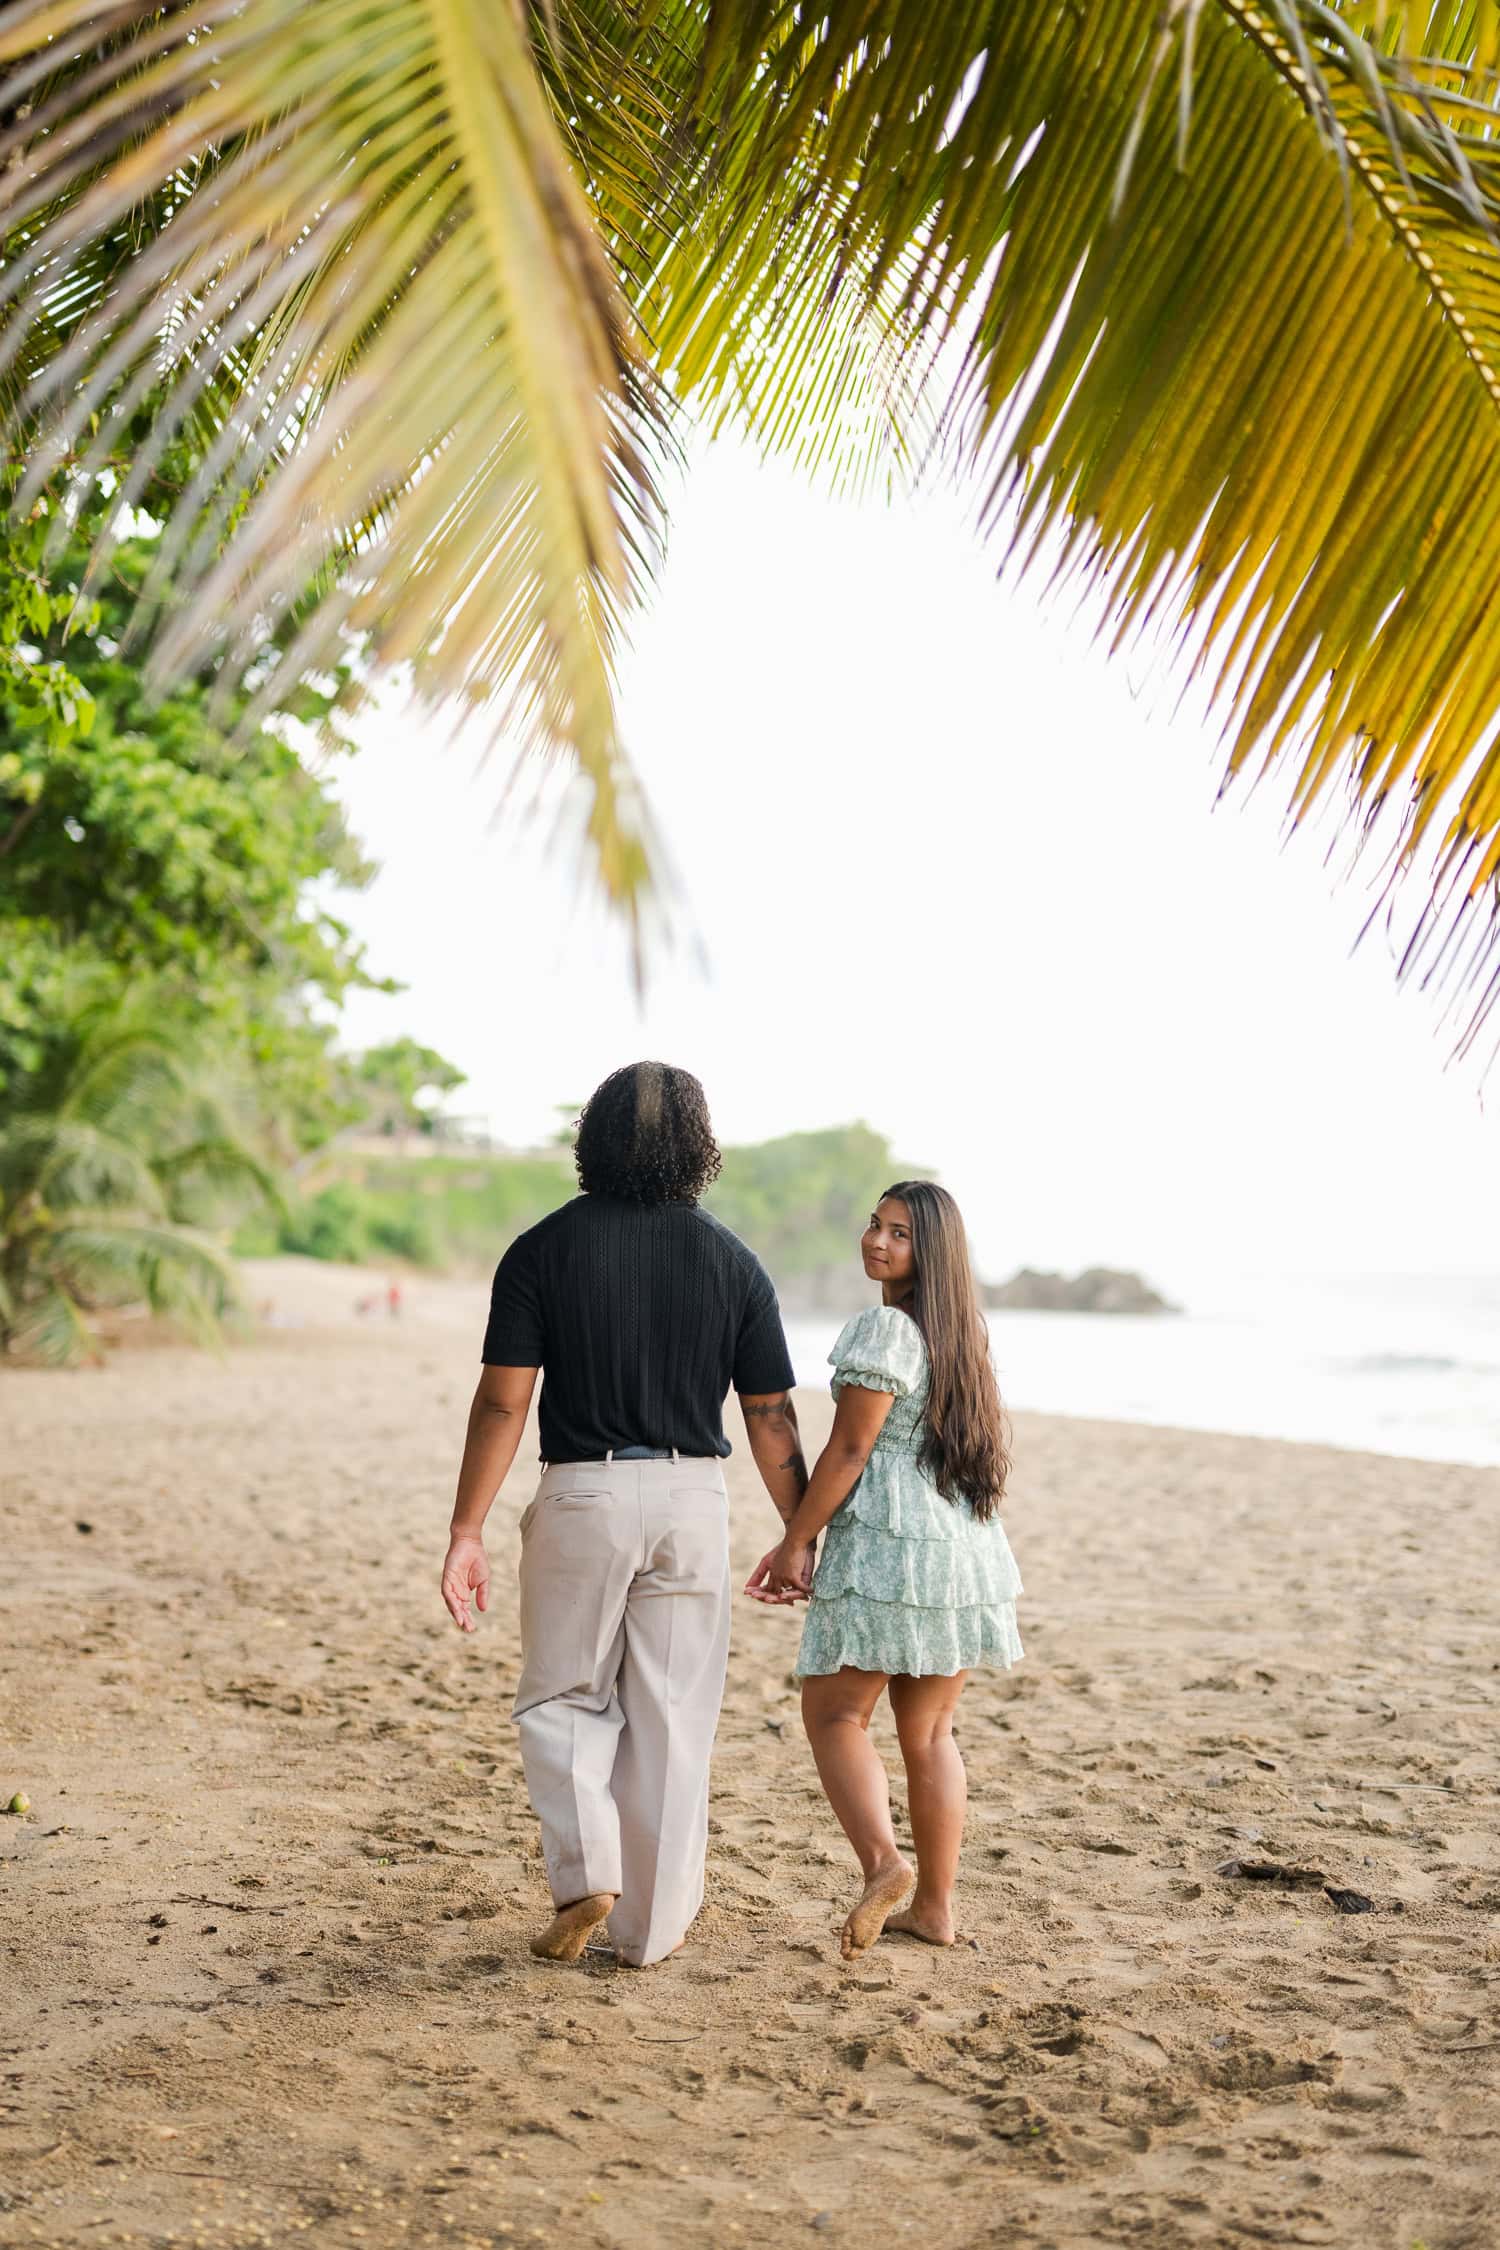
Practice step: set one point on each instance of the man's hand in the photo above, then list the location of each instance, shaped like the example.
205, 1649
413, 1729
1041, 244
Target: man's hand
466, 1571
782, 1576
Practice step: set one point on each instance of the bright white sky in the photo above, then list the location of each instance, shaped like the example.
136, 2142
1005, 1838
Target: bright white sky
957, 872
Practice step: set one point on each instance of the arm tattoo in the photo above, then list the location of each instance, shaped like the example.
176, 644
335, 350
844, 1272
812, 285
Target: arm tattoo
771, 1409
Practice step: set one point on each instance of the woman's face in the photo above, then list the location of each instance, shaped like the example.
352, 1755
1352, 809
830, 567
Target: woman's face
886, 1245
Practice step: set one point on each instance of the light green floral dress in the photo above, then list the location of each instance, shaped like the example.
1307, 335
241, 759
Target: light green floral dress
907, 1582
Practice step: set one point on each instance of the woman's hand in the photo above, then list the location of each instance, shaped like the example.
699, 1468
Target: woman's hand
466, 1571
757, 1585
784, 1575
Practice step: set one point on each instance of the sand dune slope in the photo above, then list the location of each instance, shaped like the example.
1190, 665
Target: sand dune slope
267, 1972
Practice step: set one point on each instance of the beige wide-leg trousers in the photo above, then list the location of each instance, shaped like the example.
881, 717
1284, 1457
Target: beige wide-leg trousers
625, 1641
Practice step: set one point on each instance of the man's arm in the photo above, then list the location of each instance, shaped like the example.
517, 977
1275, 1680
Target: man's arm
776, 1444
786, 1573
497, 1417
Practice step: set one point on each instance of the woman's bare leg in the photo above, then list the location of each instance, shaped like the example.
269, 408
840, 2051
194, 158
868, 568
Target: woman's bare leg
836, 1711
937, 1794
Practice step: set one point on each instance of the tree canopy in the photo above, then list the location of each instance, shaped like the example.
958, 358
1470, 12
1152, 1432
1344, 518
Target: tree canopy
401, 1082
160, 839
171, 968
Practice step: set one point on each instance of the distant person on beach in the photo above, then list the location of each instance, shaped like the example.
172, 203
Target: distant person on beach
916, 1581
641, 1311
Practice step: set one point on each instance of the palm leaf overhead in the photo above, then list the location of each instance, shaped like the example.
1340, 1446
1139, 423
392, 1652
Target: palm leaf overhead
1226, 285
382, 269
1219, 280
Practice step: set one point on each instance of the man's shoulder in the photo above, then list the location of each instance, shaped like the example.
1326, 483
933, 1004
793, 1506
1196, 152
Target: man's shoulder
536, 1236
730, 1248
609, 1217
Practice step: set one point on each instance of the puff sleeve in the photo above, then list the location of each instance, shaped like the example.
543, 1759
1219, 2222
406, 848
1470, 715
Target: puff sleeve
880, 1349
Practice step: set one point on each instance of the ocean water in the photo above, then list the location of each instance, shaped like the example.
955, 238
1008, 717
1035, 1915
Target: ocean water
1404, 1364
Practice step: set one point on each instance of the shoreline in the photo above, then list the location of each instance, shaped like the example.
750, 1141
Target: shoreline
316, 1297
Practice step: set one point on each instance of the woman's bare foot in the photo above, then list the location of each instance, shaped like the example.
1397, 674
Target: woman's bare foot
571, 1927
882, 1894
927, 1923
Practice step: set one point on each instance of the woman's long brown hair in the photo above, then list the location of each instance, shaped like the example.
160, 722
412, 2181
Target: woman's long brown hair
965, 1447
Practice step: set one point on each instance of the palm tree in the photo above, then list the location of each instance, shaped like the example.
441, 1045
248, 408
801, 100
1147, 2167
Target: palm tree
121, 1138
1203, 295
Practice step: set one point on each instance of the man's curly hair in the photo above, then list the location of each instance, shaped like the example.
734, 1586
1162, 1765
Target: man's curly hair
644, 1135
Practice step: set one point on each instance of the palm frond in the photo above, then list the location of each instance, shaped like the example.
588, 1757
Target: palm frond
115, 1246
216, 1165
123, 1068
381, 258
52, 1330
129, 1123
65, 1162
1230, 322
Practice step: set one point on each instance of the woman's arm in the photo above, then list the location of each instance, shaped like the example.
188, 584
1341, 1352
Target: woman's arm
857, 1423
497, 1417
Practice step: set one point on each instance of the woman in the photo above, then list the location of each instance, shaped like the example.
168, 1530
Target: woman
917, 1581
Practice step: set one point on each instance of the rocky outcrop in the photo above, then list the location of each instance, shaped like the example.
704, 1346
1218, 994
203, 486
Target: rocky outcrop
1099, 1289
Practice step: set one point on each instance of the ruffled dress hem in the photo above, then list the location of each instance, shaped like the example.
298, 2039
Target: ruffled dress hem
892, 1637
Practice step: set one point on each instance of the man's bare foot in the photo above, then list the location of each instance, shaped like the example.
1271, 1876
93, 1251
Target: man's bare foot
571, 1927
882, 1893
926, 1923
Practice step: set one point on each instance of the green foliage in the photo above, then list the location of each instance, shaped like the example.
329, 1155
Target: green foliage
45, 694
161, 831
173, 840
801, 1201
393, 1079
124, 1149
411, 1236
454, 1209
164, 935
331, 1224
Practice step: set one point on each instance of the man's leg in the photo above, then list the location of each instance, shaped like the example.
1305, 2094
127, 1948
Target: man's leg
580, 1545
671, 1684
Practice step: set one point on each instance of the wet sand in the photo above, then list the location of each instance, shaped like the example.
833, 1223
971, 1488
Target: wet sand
266, 1926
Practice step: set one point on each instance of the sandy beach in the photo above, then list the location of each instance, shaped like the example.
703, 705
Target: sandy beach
266, 1923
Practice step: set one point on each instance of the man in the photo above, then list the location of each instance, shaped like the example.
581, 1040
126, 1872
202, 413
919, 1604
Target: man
640, 1310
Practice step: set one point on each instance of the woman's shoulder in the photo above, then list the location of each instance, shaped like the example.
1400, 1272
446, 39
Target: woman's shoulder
880, 1320
880, 1340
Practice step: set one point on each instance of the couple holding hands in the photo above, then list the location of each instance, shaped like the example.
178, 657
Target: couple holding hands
641, 1311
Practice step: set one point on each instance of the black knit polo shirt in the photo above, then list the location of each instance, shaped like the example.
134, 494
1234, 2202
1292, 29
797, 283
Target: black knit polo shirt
640, 1317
